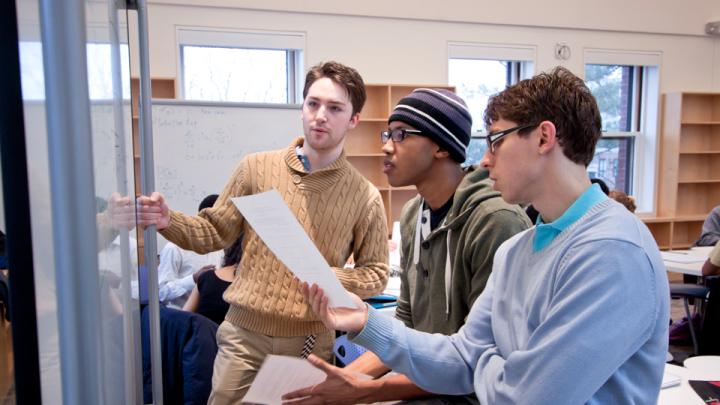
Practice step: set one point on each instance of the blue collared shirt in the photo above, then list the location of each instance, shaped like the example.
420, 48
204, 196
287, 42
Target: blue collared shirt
546, 233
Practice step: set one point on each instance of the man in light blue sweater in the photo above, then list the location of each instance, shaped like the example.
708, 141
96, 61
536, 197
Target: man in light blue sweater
576, 309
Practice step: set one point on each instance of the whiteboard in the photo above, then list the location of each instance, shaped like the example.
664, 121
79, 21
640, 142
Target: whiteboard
198, 145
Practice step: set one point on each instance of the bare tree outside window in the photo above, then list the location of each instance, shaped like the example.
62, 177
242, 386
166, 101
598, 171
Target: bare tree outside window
475, 80
615, 91
235, 74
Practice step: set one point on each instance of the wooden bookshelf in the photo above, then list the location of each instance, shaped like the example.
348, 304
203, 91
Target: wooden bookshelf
160, 88
364, 149
689, 177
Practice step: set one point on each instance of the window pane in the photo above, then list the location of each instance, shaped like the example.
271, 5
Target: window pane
235, 74
613, 163
475, 80
475, 151
99, 69
612, 86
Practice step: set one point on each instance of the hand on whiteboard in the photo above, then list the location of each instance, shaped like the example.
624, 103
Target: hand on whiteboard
339, 318
120, 211
153, 211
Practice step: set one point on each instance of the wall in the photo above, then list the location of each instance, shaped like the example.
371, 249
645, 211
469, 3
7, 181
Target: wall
658, 16
400, 50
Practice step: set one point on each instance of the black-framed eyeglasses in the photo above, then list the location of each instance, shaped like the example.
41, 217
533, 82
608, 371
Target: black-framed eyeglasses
493, 138
397, 135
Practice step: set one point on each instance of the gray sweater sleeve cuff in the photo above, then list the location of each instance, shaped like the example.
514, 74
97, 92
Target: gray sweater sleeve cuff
376, 334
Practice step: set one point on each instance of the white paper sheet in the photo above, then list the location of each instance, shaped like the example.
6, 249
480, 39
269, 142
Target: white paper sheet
677, 257
276, 225
280, 375
670, 380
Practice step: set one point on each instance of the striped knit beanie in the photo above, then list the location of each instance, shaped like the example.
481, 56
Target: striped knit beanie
441, 116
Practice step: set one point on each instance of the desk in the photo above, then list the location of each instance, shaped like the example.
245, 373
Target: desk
695, 258
704, 367
679, 394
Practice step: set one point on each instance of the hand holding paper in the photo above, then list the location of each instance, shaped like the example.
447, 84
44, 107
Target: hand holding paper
276, 225
280, 375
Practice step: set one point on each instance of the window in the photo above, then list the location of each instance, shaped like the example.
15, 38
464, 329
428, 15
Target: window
99, 62
480, 70
248, 67
626, 87
615, 88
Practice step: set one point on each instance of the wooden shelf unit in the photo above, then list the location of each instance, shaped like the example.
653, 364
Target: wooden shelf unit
160, 88
689, 182
364, 149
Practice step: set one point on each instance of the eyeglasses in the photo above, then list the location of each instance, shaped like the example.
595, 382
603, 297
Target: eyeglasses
397, 135
495, 137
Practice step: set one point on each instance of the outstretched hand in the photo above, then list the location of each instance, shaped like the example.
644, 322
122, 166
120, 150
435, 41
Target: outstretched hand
340, 387
153, 211
120, 211
340, 318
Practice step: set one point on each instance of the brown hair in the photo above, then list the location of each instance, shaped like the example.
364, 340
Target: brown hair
559, 97
623, 199
343, 75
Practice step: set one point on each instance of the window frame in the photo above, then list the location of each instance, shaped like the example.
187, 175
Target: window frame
293, 43
645, 116
522, 58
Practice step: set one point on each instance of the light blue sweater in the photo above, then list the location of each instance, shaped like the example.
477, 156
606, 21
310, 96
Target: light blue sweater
582, 320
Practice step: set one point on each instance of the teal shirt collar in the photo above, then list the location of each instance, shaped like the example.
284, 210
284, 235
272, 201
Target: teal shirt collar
546, 233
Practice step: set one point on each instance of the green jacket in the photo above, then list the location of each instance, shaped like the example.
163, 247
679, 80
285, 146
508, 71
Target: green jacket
478, 222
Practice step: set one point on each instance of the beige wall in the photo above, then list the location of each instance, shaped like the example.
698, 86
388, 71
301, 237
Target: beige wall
658, 16
399, 50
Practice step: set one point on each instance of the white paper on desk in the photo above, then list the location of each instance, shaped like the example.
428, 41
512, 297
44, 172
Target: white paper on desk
276, 225
670, 380
681, 258
280, 375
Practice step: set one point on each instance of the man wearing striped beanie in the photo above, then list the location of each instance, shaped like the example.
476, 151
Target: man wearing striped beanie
440, 115
449, 236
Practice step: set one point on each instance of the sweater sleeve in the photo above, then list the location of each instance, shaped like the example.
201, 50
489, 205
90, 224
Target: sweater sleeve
710, 229
487, 231
214, 228
436, 363
370, 250
593, 325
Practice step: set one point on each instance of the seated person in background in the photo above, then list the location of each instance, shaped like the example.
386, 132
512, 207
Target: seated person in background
206, 298
623, 199
576, 309
712, 264
179, 269
711, 229
449, 234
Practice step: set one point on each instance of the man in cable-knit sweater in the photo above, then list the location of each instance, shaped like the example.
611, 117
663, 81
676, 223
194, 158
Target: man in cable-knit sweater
339, 209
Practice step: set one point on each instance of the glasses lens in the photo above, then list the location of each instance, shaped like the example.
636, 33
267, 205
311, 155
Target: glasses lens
397, 135
384, 136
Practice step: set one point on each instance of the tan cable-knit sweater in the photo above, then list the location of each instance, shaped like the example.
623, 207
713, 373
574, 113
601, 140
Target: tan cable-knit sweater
338, 208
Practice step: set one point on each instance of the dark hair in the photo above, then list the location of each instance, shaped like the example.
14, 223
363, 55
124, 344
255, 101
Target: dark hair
559, 97
603, 186
208, 202
623, 199
345, 76
233, 254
